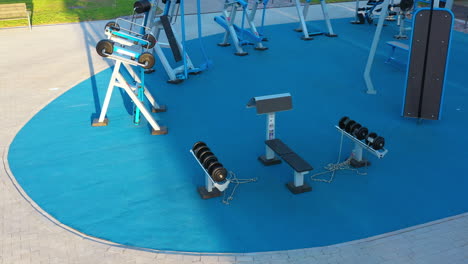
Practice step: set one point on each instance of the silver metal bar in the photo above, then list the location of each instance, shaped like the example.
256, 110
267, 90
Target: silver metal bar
301, 18
326, 17
110, 89
375, 42
378, 153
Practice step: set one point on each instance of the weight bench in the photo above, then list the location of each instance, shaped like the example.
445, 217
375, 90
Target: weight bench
299, 165
396, 45
15, 12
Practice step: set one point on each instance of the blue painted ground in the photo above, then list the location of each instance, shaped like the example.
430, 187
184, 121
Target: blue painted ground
122, 184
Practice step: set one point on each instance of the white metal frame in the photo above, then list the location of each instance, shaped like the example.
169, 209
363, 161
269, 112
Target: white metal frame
156, 26
230, 20
209, 182
303, 16
117, 80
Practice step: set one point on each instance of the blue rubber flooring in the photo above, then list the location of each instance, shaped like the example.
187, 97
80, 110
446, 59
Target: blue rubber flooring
121, 184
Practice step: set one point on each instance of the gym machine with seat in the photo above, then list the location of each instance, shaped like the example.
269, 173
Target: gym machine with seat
241, 36
303, 16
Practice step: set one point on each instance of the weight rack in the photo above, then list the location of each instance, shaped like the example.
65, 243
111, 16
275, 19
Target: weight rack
359, 146
211, 188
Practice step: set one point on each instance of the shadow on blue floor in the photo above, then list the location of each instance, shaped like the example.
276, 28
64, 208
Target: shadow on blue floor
122, 184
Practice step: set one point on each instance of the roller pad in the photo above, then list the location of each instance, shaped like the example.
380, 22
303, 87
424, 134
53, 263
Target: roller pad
171, 38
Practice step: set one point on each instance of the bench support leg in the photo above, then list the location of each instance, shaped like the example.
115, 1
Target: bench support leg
269, 157
357, 161
298, 185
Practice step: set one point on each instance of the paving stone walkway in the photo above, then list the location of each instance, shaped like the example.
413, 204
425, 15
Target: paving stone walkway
38, 66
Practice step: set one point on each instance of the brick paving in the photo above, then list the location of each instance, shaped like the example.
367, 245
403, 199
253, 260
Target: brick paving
37, 67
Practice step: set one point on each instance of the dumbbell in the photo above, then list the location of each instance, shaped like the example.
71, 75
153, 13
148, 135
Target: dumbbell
209, 161
217, 172
345, 123
374, 141
142, 6
359, 131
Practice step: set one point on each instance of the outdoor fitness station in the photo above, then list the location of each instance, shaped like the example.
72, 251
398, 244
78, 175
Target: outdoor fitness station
239, 35
331, 134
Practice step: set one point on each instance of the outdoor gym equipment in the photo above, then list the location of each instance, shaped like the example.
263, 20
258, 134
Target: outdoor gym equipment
426, 41
406, 6
134, 86
303, 16
165, 23
427, 66
363, 140
372, 8
125, 77
269, 105
107, 48
216, 180
241, 36
128, 37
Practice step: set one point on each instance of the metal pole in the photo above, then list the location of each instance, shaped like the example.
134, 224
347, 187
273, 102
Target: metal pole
449, 4
326, 17
357, 152
375, 42
302, 20
110, 88
270, 134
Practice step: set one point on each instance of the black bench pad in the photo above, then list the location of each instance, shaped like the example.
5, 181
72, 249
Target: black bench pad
278, 146
296, 162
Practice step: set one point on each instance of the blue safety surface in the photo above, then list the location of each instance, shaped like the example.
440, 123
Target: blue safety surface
122, 184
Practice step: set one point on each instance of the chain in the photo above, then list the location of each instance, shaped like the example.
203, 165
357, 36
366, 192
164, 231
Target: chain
233, 179
333, 167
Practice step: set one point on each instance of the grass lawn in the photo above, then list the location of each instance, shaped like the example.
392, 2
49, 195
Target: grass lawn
66, 11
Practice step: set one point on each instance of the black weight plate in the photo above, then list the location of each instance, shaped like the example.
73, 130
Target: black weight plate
361, 133
198, 151
354, 128
212, 166
219, 174
348, 125
205, 154
341, 123
370, 138
379, 143
198, 144
208, 160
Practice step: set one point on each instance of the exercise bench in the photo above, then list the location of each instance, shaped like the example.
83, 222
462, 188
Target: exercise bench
299, 165
269, 105
396, 45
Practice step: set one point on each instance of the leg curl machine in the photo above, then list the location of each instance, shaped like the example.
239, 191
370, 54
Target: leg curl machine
239, 35
164, 23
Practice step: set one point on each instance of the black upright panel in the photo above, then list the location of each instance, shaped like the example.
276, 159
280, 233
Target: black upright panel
427, 65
